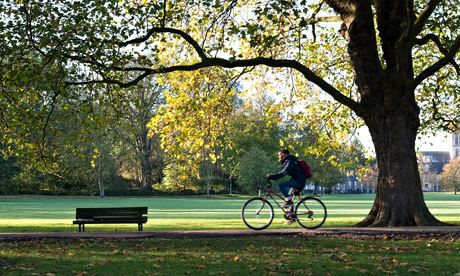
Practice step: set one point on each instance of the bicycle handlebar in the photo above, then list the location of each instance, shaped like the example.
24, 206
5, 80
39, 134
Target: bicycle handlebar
269, 184
266, 187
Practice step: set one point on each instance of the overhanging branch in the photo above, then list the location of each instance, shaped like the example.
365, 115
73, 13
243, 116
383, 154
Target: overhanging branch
434, 38
284, 63
106, 80
448, 58
431, 37
224, 63
212, 62
156, 30
423, 17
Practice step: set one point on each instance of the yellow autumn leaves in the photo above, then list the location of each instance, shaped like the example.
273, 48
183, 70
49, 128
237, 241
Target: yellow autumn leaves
191, 123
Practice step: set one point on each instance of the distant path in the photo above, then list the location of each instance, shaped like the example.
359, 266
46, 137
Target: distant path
451, 232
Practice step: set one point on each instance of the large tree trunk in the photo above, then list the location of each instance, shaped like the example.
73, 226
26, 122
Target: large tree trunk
393, 127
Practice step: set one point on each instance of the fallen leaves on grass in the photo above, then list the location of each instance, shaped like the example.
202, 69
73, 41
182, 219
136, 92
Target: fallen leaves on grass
201, 266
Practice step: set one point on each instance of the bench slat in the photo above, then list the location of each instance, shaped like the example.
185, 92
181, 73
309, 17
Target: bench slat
131, 211
109, 221
110, 216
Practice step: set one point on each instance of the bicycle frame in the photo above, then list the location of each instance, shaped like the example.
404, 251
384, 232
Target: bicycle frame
310, 212
269, 193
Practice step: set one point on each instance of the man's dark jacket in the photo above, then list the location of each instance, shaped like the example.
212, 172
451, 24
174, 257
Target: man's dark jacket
291, 168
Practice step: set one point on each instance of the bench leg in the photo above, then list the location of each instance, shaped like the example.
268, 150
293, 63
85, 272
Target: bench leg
81, 227
139, 227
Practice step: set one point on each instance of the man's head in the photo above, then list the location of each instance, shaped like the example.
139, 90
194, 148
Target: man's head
282, 154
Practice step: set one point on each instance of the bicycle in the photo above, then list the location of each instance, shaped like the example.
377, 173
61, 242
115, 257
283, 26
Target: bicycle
257, 213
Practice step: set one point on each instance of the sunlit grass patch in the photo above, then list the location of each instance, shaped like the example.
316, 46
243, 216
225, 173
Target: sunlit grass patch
56, 213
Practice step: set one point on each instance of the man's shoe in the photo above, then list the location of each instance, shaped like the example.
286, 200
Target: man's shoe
290, 219
290, 216
288, 203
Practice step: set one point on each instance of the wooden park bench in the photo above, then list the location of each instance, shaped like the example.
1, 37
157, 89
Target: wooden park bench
110, 215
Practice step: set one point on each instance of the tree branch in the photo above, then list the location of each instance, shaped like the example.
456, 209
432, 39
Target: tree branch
423, 17
155, 30
163, 20
211, 62
446, 124
432, 37
105, 80
448, 58
225, 13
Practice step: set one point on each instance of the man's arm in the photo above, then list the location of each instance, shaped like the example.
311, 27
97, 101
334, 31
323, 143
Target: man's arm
287, 166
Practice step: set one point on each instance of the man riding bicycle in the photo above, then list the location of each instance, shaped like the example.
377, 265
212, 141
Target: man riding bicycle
291, 168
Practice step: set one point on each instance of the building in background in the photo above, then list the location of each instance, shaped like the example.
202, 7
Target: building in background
455, 152
352, 185
431, 164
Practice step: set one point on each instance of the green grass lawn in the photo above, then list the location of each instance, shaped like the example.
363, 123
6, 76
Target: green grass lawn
294, 255
55, 213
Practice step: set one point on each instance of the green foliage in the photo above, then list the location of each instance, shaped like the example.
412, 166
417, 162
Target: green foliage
255, 124
191, 124
9, 169
177, 178
252, 168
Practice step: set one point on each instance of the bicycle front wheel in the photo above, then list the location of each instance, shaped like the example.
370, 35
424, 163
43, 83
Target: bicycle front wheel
257, 213
311, 213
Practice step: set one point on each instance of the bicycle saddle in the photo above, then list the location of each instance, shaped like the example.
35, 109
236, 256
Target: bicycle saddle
297, 191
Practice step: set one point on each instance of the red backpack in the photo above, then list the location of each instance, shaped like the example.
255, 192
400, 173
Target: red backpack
306, 169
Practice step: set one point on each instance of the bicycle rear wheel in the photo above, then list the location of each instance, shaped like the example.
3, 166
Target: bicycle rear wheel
257, 213
311, 213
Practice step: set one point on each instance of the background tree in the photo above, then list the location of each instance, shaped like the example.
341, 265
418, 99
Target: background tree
450, 176
252, 168
8, 170
370, 176
192, 121
136, 106
255, 125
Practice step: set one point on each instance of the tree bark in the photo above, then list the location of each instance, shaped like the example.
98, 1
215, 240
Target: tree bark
393, 123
